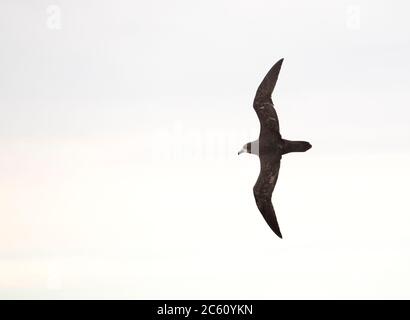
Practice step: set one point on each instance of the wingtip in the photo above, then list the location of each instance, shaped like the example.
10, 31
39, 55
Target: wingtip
276, 231
268, 83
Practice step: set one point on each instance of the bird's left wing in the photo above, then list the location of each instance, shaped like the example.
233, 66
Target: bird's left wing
263, 189
263, 104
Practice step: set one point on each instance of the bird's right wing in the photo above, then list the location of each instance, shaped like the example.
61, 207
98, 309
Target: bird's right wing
263, 104
263, 190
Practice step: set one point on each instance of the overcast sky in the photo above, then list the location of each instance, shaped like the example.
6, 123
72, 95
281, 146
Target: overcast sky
120, 123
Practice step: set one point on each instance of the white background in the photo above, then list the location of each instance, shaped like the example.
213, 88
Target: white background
120, 124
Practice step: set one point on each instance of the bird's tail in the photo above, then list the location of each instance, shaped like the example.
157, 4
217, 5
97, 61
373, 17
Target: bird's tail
295, 146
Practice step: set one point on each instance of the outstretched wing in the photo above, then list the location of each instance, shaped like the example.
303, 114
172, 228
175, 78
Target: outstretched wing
263, 190
263, 102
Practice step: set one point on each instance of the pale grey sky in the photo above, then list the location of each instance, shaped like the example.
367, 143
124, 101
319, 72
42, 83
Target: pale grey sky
119, 133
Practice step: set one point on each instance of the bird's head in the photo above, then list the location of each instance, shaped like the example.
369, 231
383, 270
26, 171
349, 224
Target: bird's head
245, 149
250, 147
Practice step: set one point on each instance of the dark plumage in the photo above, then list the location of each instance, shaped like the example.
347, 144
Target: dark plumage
269, 147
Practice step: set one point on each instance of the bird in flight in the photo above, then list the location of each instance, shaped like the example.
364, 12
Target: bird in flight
269, 147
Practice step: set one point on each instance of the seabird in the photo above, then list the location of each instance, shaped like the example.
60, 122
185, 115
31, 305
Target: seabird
269, 147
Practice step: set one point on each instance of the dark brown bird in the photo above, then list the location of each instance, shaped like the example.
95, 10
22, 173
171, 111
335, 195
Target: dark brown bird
269, 147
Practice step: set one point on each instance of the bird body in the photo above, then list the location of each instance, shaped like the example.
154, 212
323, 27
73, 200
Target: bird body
269, 147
